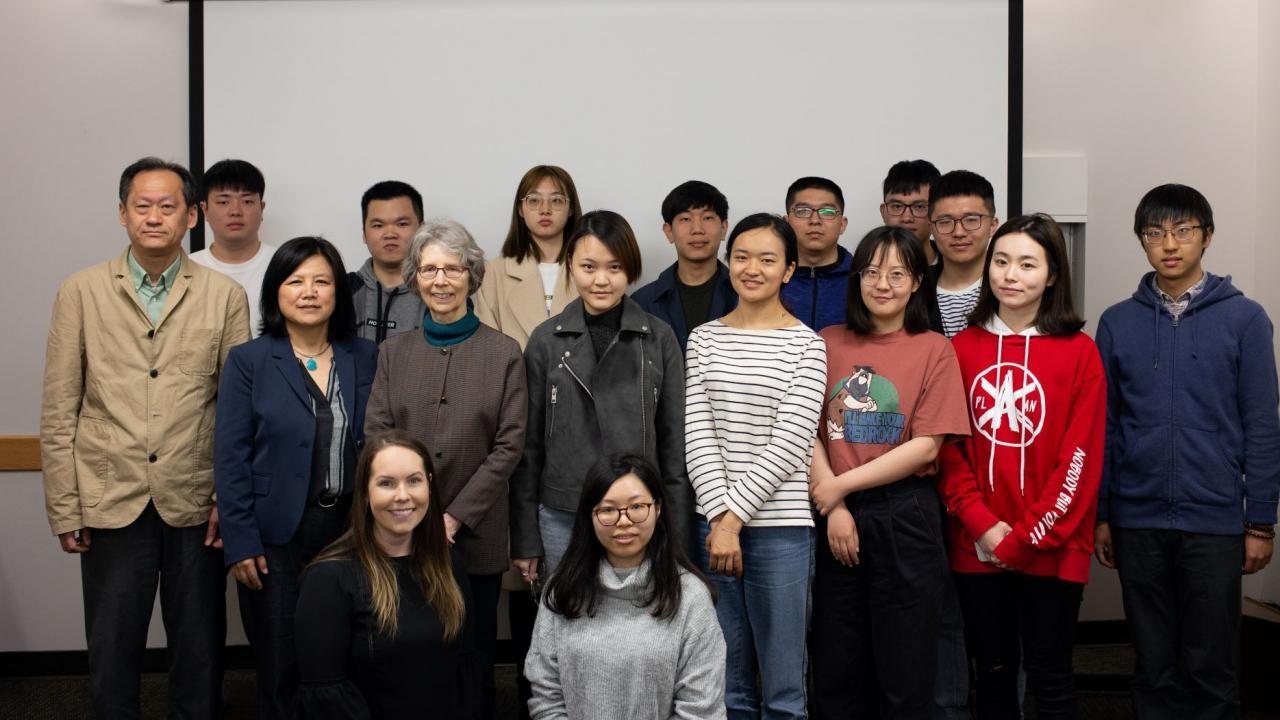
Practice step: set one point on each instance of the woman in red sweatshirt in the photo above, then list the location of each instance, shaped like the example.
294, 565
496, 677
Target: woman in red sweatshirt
1022, 489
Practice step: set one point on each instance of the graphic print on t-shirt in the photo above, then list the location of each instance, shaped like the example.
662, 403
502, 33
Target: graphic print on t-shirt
1006, 403
862, 408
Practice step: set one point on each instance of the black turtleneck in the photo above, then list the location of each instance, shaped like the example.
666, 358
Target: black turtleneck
603, 328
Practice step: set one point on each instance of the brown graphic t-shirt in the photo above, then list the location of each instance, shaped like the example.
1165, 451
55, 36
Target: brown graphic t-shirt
883, 390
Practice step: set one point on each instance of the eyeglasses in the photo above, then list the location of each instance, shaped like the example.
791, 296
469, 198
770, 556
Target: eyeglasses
534, 201
453, 272
897, 278
919, 209
635, 512
947, 225
1183, 234
826, 213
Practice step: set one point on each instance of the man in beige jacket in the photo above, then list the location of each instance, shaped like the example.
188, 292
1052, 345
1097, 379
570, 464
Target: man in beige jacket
135, 351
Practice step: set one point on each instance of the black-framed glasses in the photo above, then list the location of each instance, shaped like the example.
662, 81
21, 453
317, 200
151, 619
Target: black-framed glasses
897, 278
636, 512
428, 272
534, 201
919, 208
971, 222
805, 212
1183, 234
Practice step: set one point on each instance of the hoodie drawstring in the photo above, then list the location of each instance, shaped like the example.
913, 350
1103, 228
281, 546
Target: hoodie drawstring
991, 451
1022, 419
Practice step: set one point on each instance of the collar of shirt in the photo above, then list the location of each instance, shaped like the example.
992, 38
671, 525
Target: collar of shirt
141, 279
1183, 299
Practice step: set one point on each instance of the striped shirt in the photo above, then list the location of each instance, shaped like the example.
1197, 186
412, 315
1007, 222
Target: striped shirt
752, 403
955, 306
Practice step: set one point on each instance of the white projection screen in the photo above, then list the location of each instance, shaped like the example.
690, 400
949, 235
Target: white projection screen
460, 97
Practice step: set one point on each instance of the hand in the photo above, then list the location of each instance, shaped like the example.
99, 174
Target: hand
71, 544
724, 547
528, 568
1257, 553
842, 536
451, 527
1103, 549
211, 537
992, 538
826, 491
246, 571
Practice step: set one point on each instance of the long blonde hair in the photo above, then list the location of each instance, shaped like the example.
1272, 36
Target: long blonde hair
428, 558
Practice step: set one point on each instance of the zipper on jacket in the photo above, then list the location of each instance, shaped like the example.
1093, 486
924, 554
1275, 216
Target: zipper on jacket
585, 389
1171, 441
551, 427
644, 422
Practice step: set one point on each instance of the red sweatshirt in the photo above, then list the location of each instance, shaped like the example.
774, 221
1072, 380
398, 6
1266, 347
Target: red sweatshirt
1037, 407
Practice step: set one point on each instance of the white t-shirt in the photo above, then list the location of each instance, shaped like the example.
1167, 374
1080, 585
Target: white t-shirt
549, 272
248, 274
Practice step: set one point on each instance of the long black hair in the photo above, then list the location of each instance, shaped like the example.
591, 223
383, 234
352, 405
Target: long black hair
574, 588
878, 243
1057, 314
287, 258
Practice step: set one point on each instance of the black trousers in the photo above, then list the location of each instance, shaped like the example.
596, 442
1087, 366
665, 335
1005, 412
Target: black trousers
874, 639
267, 614
1013, 620
485, 591
119, 575
1181, 596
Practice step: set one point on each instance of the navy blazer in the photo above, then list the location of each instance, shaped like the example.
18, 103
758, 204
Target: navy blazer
661, 298
263, 435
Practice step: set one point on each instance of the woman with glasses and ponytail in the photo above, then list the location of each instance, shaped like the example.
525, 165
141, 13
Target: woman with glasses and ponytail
628, 628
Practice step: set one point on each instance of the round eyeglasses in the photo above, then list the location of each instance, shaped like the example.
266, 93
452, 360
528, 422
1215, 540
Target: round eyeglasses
635, 512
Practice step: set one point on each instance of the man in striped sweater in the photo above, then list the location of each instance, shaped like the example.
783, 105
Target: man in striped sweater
962, 210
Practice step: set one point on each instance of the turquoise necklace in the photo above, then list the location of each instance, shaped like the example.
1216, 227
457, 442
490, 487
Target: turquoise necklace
311, 363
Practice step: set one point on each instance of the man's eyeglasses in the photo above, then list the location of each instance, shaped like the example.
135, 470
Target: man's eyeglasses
919, 209
534, 201
1183, 234
897, 278
635, 512
429, 272
826, 213
947, 225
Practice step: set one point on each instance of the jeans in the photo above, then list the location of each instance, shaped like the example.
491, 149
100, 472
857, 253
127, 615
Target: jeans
1010, 618
875, 625
556, 527
763, 615
1181, 595
120, 574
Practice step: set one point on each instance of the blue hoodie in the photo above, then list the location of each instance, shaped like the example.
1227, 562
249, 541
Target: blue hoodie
1191, 413
818, 296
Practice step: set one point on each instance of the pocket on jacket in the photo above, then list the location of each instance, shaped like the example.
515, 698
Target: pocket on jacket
1205, 476
197, 351
1142, 471
261, 484
93, 447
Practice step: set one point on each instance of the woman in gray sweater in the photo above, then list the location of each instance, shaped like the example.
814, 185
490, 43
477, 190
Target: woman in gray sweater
629, 628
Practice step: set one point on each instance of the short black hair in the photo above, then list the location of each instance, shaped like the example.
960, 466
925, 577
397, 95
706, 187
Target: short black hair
390, 190
882, 240
1057, 313
574, 590
614, 232
233, 175
287, 258
962, 183
908, 176
777, 224
694, 195
1172, 203
152, 163
815, 183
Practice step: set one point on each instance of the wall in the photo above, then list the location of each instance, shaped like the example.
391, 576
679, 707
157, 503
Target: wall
1156, 91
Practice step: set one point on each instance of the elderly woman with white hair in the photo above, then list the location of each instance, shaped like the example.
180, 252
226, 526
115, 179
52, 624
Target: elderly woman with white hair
458, 386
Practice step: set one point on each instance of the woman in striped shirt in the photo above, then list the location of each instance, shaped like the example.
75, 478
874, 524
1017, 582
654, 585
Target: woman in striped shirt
754, 382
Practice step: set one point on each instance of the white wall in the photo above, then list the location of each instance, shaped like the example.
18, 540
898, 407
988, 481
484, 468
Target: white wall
1156, 91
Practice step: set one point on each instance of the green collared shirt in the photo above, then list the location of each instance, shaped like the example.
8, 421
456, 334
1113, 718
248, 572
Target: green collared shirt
151, 296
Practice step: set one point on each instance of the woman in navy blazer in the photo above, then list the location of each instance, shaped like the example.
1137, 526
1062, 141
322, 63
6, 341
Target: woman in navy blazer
289, 427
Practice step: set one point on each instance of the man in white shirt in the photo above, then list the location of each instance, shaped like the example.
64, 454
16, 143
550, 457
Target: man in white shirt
232, 206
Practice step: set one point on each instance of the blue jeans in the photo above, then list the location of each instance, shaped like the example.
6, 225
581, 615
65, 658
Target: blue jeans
764, 616
556, 527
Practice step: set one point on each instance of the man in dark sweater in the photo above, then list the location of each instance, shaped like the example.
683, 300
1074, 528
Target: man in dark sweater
906, 205
696, 288
1192, 469
819, 288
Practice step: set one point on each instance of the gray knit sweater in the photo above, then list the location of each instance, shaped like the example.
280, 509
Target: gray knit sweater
625, 663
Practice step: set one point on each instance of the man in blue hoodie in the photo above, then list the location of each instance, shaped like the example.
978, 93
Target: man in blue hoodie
1192, 468
819, 288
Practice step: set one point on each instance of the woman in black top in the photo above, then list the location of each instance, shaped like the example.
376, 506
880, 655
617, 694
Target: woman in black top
383, 621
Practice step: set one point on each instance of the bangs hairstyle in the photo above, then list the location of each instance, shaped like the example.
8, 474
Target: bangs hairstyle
908, 176
873, 247
453, 238
1172, 203
233, 176
390, 190
613, 231
574, 588
519, 244
152, 164
1057, 313
428, 559
962, 183
694, 195
815, 183
780, 227
287, 258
